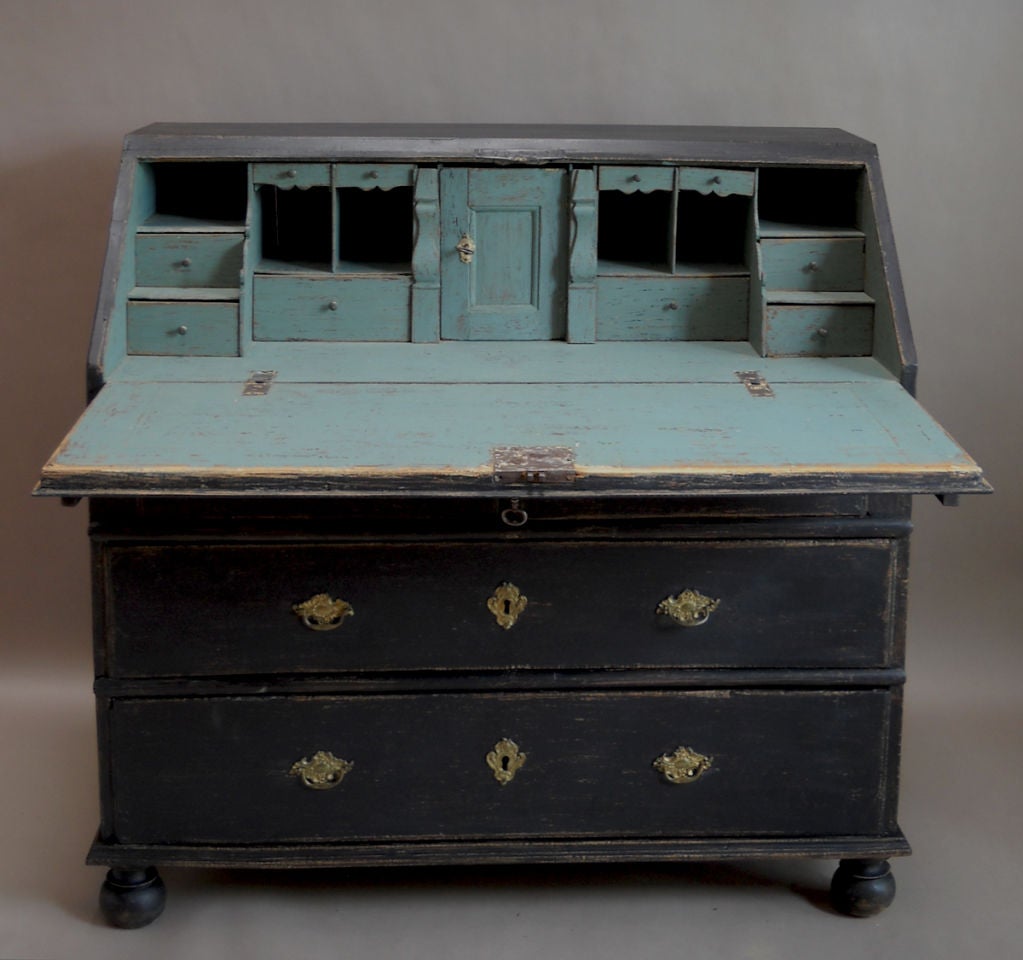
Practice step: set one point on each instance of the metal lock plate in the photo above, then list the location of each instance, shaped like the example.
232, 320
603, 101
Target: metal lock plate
534, 464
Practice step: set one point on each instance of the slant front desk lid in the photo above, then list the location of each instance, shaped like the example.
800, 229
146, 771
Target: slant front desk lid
453, 310
850, 428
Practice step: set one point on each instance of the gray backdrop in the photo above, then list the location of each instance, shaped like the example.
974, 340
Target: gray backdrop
938, 84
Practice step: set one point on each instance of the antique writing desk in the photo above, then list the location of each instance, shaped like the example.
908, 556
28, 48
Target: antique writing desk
497, 495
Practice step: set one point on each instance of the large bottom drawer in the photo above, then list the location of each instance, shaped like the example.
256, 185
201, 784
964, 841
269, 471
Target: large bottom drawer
669, 764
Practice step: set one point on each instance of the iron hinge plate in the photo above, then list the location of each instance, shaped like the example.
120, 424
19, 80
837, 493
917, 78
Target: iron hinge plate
258, 384
755, 383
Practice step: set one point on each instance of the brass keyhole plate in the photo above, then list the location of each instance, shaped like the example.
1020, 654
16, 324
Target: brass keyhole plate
507, 604
505, 760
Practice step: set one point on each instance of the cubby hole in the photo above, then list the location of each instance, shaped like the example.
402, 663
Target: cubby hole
375, 229
711, 232
199, 193
634, 232
297, 227
810, 200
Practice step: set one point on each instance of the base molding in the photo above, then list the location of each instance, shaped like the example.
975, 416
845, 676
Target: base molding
481, 852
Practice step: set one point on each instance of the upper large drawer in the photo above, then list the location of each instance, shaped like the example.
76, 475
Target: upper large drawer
237, 609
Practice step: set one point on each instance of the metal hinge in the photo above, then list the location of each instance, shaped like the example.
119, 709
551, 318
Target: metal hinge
258, 384
755, 383
534, 464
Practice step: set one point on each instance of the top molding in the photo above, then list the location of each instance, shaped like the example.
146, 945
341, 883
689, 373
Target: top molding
500, 143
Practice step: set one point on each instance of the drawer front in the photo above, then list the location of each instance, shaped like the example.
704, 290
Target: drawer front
230, 770
819, 330
631, 179
684, 308
370, 176
820, 264
363, 308
416, 607
182, 328
721, 182
288, 175
187, 260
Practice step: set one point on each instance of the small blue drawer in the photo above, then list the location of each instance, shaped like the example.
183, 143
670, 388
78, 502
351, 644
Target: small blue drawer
185, 328
331, 308
374, 176
719, 181
679, 308
819, 330
287, 175
631, 179
188, 260
818, 264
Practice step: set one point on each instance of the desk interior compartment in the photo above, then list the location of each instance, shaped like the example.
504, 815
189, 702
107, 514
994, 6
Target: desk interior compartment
193, 195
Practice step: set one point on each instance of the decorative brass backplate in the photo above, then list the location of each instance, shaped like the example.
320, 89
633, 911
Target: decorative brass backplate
322, 612
682, 766
323, 772
688, 608
506, 604
505, 760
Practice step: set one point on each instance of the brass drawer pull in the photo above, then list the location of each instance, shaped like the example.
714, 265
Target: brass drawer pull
505, 760
683, 766
322, 612
323, 772
689, 608
506, 604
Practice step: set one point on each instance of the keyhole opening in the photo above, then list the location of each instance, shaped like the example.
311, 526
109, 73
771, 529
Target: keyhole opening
507, 612
504, 762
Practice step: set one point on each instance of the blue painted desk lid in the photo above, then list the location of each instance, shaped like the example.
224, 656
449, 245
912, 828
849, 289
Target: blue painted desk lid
425, 419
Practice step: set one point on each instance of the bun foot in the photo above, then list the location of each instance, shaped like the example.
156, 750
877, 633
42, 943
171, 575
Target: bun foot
862, 888
132, 898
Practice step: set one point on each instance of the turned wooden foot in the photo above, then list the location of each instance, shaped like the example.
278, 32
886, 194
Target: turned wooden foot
132, 898
862, 888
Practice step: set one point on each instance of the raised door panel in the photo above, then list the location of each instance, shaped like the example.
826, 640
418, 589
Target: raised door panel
503, 254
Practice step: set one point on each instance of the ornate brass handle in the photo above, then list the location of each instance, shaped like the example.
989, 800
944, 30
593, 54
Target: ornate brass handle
322, 612
688, 608
683, 766
466, 247
505, 760
323, 772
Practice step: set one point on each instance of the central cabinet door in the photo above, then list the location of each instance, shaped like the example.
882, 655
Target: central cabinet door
504, 254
